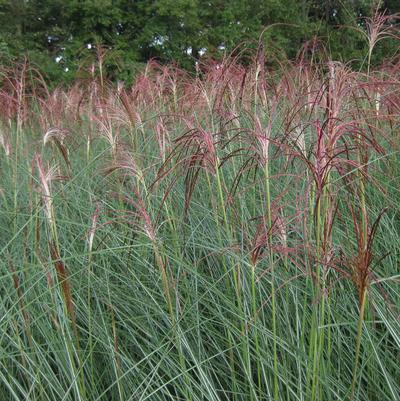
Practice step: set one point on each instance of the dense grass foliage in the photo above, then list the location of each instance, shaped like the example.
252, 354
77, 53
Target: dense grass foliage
229, 236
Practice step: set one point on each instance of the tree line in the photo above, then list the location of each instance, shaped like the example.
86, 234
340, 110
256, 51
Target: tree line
62, 36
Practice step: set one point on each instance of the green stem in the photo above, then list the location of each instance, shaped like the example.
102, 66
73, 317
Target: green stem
273, 295
254, 307
358, 344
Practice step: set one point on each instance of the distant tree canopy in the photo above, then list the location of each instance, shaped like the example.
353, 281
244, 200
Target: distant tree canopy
61, 35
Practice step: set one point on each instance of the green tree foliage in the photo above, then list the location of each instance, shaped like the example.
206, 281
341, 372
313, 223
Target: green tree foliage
61, 36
